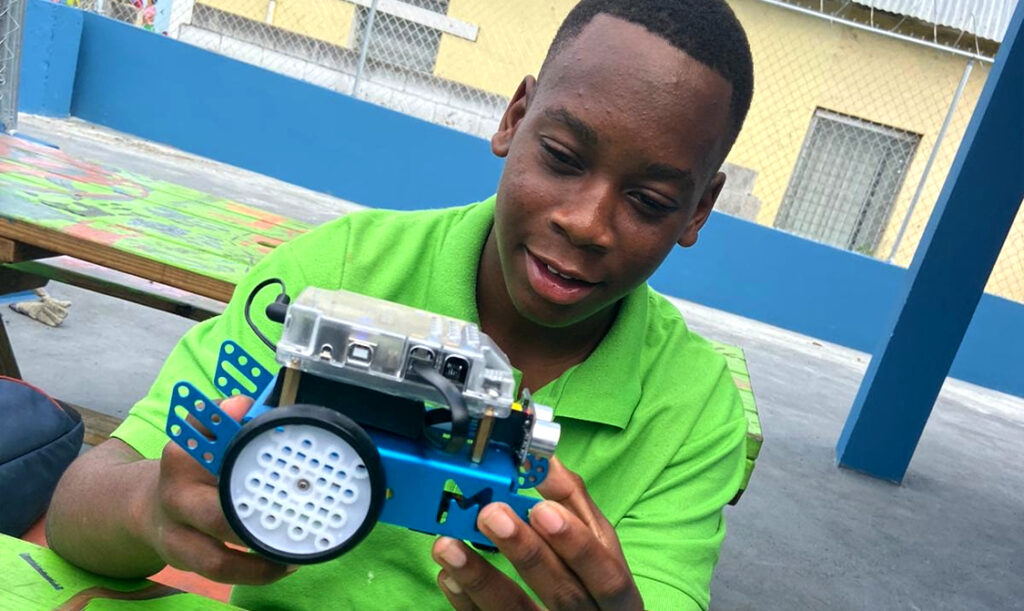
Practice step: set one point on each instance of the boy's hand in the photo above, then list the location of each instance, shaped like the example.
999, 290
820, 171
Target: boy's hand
180, 517
569, 555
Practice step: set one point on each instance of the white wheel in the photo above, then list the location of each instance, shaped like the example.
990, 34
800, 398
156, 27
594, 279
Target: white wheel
303, 484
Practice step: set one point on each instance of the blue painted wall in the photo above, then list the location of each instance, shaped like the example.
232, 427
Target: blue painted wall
785, 280
49, 56
233, 112
828, 293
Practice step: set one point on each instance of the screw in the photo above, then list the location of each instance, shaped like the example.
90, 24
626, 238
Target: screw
302, 484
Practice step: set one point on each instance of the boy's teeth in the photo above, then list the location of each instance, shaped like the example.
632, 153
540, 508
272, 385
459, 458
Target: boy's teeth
558, 273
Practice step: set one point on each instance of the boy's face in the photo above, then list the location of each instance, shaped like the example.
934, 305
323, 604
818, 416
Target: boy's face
611, 161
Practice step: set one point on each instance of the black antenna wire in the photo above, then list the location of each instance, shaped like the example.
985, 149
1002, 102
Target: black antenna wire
275, 311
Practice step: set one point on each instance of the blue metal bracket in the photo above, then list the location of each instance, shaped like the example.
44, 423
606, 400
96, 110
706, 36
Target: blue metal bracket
252, 372
536, 474
416, 477
207, 451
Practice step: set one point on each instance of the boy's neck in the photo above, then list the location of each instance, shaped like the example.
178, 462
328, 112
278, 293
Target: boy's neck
541, 353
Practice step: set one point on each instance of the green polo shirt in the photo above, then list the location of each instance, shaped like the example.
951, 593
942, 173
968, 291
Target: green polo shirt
651, 419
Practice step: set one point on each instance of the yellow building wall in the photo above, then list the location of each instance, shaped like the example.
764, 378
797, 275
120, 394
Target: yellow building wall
326, 20
512, 42
250, 9
802, 63
1007, 279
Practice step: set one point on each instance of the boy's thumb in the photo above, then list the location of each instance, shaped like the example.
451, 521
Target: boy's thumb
236, 406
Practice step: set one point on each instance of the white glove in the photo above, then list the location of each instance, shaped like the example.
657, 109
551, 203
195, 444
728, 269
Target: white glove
47, 310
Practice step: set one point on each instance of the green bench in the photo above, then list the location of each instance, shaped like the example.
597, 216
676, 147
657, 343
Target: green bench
737, 364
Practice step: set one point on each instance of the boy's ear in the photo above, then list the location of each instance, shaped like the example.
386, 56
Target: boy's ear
703, 211
514, 113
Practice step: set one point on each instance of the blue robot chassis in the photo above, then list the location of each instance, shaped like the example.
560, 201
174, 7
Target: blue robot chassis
379, 412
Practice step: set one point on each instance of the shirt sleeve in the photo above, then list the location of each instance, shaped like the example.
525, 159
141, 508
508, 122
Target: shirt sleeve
194, 358
673, 533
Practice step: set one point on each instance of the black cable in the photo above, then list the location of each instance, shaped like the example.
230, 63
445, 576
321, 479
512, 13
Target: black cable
281, 299
456, 405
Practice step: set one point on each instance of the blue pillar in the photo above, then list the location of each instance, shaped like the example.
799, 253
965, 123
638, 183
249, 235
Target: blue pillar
946, 279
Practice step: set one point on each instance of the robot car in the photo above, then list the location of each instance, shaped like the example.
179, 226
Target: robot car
379, 412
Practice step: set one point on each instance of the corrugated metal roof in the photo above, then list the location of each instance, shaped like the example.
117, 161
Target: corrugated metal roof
985, 18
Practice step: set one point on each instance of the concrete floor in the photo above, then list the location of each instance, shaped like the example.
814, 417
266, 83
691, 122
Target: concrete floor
806, 535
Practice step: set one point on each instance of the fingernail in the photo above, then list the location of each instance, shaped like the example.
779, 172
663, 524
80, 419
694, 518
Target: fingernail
548, 518
499, 523
291, 568
451, 553
452, 585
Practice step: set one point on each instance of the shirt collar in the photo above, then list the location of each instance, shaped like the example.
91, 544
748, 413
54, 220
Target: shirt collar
605, 388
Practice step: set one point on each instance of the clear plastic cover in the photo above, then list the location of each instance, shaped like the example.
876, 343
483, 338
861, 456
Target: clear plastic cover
374, 343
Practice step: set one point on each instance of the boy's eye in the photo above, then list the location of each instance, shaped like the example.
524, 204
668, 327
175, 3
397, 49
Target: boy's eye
649, 204
560, 156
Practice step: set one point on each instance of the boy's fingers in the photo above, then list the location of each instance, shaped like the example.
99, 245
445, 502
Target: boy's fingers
453, 592
534, 560
603, 571
486, 586
568, 490
564, 487
236, 406
178, 468
191, 550
189, 496
203, 512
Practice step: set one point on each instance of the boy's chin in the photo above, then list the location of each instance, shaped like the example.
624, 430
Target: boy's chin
554, 316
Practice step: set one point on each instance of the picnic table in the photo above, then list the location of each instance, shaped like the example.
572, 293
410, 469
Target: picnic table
154, 243
53, 204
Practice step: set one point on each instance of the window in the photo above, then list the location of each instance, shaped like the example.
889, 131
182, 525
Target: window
398, 41
846, 181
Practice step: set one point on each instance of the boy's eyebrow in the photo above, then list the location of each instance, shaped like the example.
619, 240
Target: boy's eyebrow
583, 131
661, 171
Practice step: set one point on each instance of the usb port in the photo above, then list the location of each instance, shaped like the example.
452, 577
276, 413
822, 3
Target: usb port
359, 354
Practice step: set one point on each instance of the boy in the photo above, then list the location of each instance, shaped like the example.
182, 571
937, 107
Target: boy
611, 161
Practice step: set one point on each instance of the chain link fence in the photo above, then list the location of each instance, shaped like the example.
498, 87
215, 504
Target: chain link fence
451, 62
12, 14
854, 126
856, 120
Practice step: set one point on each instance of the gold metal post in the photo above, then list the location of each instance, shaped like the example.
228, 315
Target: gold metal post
290, 388
483, 435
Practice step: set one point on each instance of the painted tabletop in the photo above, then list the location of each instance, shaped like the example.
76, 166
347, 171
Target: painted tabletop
151, 228
33, 577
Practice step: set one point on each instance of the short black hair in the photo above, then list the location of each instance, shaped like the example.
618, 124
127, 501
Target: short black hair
706, 30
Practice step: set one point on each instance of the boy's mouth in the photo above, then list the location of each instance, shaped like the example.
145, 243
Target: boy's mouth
553, 284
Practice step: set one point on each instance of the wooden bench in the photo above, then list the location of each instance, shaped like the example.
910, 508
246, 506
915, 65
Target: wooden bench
154, 243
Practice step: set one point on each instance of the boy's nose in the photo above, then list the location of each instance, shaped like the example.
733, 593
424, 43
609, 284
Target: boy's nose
586, 219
